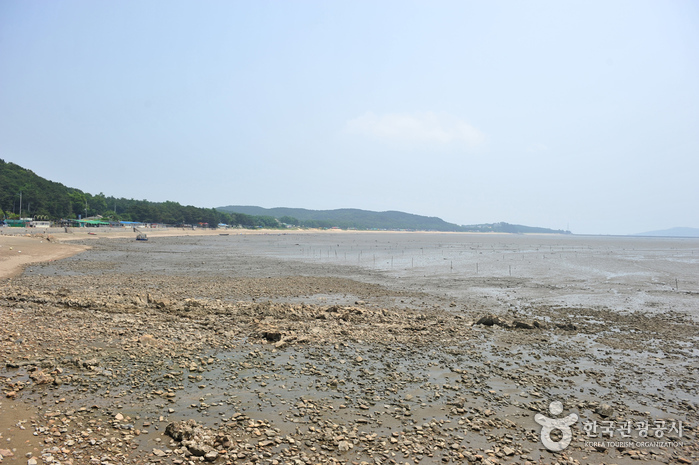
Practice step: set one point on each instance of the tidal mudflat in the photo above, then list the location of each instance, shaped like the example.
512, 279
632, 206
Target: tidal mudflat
353, 347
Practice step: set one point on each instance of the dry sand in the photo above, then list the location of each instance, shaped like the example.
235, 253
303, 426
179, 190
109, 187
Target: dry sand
18, 251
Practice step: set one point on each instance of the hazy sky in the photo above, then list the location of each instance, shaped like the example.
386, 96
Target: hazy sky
555, 114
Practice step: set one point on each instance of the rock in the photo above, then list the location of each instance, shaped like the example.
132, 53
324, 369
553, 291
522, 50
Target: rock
40, 377
159, 453
272, 336
197, 439
118, 417
181, 430
507, 450
91, 363
567, 326
605, 410
198, 449
211, 456
32, 461
148, 339
490, 320
344, 446
160, 303
6, 453
521, 324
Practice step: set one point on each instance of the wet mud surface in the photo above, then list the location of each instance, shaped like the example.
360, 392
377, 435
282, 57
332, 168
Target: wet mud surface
351, 348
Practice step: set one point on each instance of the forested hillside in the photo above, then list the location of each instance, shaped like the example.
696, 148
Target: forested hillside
43, 198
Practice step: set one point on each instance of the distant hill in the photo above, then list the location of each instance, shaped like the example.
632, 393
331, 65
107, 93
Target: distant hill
352, 218
672, 232
511, 228
347, 218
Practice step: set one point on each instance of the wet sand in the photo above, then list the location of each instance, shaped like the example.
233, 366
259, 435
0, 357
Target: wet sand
349, 348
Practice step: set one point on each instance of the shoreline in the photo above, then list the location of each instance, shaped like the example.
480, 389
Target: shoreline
19, 247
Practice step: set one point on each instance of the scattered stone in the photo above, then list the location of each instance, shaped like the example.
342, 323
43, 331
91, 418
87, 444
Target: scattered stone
605, 410
40, 377
344, 446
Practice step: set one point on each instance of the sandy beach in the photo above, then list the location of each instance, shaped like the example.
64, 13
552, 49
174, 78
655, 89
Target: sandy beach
18, 251
283, 347
22, 246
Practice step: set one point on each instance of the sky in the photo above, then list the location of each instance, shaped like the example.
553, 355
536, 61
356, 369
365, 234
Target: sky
568, 115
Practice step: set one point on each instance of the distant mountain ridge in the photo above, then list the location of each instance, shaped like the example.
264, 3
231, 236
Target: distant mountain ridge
353, 218
672, 232
347, 218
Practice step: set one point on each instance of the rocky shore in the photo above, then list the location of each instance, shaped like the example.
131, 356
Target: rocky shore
295, 364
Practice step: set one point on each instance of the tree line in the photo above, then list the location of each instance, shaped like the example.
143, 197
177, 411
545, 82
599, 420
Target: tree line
40, 197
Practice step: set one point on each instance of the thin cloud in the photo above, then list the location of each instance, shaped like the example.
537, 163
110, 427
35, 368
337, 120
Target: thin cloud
426, 127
